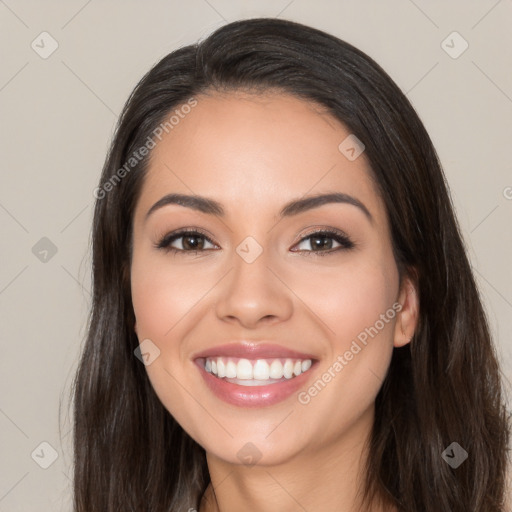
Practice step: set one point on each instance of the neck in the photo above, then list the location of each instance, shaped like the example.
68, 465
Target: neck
328, 478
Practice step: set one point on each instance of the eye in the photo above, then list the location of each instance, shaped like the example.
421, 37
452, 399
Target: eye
188, 241
321, 242
193, 241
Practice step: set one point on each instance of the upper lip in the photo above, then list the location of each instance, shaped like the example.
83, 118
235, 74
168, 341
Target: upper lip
250, 350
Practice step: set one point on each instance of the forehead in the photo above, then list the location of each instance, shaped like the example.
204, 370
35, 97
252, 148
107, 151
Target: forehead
254, 152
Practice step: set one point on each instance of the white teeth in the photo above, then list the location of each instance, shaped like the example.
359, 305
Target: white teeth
288, 369
269, 370
261, 370
243, 369
276, 370
221, 368
306, 365
253, 382
230, 369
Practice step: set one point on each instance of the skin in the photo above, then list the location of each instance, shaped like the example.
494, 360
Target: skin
253, 154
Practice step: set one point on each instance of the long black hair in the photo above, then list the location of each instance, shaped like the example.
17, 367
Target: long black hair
129, 452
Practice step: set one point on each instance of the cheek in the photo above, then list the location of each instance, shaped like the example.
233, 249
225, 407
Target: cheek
163, 300
162, 294
352, 298
365, 320
357, 308
367, 295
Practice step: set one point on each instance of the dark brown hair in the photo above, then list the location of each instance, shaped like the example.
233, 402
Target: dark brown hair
129, 452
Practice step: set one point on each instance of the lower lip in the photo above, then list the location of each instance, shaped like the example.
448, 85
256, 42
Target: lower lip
253, 396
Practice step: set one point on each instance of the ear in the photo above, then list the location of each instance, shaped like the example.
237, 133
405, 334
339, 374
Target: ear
407, 318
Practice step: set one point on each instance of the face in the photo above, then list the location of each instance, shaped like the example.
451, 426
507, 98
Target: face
319, 280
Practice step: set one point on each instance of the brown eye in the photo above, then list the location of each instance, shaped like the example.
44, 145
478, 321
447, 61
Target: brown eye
192, 242
322, 242
188, 241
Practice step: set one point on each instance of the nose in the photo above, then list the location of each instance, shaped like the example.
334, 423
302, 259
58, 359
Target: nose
253, 294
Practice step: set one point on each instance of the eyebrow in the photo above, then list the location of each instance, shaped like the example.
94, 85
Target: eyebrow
295, 207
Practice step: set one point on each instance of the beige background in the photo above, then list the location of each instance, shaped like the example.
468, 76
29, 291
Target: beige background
58, 115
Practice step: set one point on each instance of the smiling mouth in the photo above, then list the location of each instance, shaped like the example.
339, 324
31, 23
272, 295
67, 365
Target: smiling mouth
255, 372
258, 382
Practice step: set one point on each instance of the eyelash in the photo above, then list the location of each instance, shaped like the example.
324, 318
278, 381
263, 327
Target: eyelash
338, 236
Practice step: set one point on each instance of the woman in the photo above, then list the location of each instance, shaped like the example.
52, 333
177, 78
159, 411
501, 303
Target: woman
284, 315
